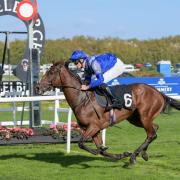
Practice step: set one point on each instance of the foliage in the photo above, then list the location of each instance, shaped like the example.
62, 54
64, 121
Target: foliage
146, 72
130, 51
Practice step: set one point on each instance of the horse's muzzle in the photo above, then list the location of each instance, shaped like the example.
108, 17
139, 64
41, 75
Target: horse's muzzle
37, 89
41, 88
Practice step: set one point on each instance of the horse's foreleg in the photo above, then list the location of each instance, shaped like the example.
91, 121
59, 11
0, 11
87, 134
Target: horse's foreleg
97, 139
94, 132
82, 145
88, 133
115, 156
103, 150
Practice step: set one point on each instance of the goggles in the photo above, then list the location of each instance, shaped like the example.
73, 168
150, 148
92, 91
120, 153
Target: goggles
76, 62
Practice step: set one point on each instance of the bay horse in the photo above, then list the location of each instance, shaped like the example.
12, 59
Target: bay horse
92, 118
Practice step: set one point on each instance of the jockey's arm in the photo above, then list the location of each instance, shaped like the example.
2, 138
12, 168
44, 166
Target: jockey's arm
99, 80
99, 75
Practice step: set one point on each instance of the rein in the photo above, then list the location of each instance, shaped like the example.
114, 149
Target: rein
93, 105
79, 90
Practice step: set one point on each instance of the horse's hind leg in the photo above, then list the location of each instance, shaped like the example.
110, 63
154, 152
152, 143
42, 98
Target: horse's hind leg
144, 153
151, 135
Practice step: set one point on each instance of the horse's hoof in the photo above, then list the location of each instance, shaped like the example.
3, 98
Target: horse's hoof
127, 154
103, 148
144, 155
133, 159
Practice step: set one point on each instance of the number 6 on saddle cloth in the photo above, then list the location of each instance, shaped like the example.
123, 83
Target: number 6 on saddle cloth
118, 96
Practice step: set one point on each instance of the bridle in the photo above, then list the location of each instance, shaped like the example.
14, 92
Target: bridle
78, 89
68, 86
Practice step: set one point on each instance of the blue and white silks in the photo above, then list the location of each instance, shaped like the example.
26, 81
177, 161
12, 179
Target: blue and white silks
102, 69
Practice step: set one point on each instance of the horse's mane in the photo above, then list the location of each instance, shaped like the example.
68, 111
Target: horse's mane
75, 75
58, 63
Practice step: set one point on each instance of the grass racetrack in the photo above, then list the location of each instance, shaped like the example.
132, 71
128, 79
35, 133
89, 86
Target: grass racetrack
44, 162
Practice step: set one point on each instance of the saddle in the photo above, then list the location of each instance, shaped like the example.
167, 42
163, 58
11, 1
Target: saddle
118, 96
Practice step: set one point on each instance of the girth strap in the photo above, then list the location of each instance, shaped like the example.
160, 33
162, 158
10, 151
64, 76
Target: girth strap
112, 117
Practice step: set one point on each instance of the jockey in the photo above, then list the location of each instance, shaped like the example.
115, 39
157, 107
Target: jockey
98, 69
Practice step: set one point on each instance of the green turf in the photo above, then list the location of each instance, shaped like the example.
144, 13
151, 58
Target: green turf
44, 162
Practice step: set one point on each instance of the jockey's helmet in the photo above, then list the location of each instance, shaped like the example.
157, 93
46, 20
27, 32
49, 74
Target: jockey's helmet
78, 54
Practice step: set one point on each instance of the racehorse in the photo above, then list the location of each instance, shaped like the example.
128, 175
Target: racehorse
148, 103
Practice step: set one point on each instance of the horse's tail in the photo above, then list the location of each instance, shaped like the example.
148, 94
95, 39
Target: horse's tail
172, 102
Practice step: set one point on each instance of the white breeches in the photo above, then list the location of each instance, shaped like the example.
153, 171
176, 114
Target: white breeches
114, 72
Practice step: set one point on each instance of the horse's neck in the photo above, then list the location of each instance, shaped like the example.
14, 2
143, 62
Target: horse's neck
71, 88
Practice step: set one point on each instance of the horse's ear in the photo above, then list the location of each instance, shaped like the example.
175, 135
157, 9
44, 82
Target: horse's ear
66, 63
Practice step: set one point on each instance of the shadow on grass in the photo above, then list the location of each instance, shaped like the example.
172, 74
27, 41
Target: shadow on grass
84, 161
59, 158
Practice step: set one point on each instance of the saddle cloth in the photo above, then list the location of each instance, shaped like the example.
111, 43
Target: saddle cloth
122, 93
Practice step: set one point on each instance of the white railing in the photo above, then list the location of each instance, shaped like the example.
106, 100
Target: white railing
31, 99
42, 98
56, 110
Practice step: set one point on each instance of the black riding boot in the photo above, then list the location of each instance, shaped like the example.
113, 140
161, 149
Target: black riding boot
112, 101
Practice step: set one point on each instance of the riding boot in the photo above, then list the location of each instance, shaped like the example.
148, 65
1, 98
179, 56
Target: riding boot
112, 101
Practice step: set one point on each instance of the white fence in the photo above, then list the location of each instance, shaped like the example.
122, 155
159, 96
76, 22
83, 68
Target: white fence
44, 98
56, 110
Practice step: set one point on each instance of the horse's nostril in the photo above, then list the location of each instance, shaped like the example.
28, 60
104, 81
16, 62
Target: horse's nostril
37, 89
